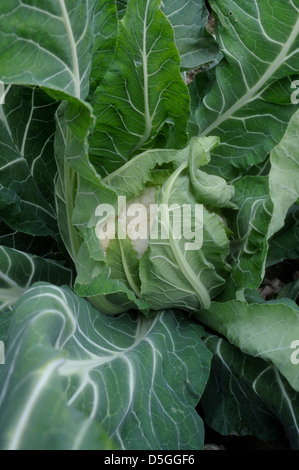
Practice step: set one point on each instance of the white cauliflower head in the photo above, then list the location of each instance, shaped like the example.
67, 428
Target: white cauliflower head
135, 221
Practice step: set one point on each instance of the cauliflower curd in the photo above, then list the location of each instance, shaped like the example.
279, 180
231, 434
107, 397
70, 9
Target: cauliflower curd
135, 220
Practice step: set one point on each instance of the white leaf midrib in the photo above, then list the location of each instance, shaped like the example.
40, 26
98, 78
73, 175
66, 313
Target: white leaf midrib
147, 114
194, 281
28, 409
73, 48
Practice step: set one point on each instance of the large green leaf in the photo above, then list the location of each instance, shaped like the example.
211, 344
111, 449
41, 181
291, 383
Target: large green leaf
246, 395
142, 96
63, 71
47, 44
284, 174
22, 205
74, 122
45, 247
249, 105
250, 225
188, 19
29, 113
18, 271
60, 42
172, 272
263, 205
265, 330
105, 34
138, 379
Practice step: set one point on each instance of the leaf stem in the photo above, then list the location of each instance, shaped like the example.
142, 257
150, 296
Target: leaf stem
199, 288
129, 277
70, 188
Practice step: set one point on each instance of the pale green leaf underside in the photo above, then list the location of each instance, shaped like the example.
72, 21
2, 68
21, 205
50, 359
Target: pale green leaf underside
129, 180
284, 174
139, 379
170, 273
260, 330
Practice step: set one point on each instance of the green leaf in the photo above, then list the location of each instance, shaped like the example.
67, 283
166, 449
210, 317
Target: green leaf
230, 404
29, 113
172, 272
23, 207
210, 190
290, 291
285, 243
249, 105
142, 97
129, 180
30, 33
246, 395
18, 271
96, 282
74, 120
45, 247
189, 20
266, 331
250, 225
62, 71
105, 34
5, 318
99, 274
123, 261
284, 174
179, 272
137, 379
263, 205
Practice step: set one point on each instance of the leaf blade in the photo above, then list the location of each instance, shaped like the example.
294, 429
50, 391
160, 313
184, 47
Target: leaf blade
135, 102
75, 340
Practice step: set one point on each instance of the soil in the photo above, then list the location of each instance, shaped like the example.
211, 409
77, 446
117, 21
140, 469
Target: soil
278, 276
215, 441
